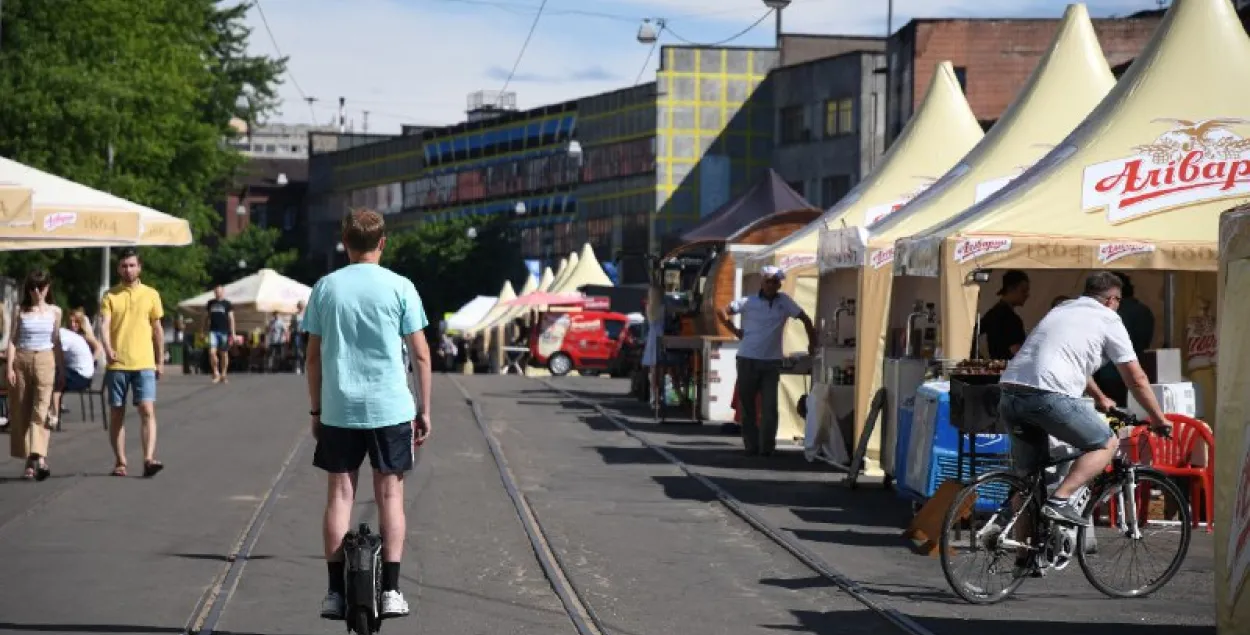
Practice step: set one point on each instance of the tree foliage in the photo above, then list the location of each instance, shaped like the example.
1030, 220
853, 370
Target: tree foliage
157, 82
247, 252
449, 268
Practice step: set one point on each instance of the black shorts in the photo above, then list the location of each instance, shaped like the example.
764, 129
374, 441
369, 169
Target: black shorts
341, 450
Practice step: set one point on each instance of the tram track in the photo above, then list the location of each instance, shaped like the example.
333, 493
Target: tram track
901, 622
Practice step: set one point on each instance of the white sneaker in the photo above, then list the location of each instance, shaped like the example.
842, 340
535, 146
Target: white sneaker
333, 606
394, 604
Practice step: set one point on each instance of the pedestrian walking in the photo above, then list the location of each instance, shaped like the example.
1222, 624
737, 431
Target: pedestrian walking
220, 323
764, 317
134, 340
34, 357
358, 320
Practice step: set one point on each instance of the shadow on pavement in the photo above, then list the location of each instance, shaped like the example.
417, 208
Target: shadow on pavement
87, 628
837, 623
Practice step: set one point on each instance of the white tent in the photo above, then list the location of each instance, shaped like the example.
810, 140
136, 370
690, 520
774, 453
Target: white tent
548, 278
505, 314
254, 297
471, 313
583, 270
42, 206
567, 267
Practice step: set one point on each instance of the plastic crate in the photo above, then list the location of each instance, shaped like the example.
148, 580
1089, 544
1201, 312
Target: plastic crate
945, 468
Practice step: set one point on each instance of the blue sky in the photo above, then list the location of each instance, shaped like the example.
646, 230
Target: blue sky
416, 61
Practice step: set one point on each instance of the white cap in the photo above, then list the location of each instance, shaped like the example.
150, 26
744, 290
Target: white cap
773, 271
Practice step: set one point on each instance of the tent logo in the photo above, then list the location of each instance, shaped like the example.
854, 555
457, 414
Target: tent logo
968, 248
1194, 162
1111, 252
792, 261
881, 257
53, 222
877, 212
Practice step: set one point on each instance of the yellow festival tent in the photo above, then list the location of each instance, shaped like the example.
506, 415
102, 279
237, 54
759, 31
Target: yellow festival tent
583, 270
567, 266
38, 206
505, 294
504, 315
1068, 82
548, 278
1232, 452
1139, 185
942, 130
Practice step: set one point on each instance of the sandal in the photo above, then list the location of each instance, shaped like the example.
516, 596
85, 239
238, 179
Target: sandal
29, 473
152, 468
120, 470
41, 470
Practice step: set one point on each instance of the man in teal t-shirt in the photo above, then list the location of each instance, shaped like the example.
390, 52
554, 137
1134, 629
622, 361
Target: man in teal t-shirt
358, 319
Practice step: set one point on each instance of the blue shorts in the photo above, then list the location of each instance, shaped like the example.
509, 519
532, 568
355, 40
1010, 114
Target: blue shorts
219, 340
118, 382
75, 382
1068, 419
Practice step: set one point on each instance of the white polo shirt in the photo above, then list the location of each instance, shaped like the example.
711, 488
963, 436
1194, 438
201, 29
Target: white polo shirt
763, 324
1074, 339
77, 353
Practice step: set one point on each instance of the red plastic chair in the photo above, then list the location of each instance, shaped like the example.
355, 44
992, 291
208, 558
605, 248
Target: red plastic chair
1174, 457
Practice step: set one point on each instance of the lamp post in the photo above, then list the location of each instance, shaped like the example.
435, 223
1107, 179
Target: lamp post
778, 6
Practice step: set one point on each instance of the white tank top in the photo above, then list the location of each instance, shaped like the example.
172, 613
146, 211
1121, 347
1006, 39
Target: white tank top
34, 332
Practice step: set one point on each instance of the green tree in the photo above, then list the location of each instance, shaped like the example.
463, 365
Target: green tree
449, 268
254, 248
154, 84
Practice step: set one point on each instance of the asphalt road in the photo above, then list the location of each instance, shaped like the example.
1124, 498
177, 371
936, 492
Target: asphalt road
649, 547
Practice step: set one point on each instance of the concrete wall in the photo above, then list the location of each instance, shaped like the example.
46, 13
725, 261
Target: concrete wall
800, 48
831, 154
997, 57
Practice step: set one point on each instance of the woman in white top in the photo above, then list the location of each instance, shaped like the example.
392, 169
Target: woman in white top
34, 355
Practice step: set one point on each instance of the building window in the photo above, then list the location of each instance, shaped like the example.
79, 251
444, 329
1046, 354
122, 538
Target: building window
793, 127
961, 74
833, 188
839, 117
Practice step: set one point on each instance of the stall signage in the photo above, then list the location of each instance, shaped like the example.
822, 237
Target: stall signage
597, 303
842, 248
881, 257
1238, 558
1194, 162
969, 248
57, 220
877, 212
1111, 252
794, 261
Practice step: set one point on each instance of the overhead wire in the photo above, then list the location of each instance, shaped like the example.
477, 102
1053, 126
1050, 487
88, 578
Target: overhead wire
726, 40
265, 21
528, 36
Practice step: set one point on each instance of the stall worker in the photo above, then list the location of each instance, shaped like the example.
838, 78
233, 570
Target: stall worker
764, 317
1003, 329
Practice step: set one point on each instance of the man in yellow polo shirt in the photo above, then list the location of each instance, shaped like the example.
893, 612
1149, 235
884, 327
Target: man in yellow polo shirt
134, 344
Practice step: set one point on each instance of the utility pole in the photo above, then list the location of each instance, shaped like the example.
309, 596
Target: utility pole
366, 122
342, 116
310, 101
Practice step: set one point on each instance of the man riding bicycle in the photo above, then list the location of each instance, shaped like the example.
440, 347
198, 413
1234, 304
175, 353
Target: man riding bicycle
1044, 382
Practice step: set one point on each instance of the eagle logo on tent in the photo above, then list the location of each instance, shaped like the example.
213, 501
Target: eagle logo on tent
1210, 136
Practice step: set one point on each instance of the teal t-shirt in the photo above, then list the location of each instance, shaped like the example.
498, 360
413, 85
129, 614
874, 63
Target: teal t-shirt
361, 313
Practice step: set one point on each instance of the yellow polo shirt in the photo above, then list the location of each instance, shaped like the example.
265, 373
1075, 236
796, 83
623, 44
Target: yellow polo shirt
130, 310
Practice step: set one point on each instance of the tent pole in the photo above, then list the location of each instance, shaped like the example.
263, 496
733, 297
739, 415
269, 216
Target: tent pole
1169, 307
104, 272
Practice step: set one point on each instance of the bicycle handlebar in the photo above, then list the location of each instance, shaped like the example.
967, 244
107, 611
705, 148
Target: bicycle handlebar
1129, 419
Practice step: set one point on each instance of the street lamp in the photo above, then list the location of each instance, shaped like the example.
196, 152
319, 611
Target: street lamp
472, 233
339, 248
575, 150
648, 34
778, 6
242, 264
519, 209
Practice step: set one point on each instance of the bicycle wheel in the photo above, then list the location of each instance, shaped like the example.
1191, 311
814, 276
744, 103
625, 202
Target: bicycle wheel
1162, 516
977, 518
361, 623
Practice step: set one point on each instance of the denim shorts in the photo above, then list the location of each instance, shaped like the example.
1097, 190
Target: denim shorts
1068, 419
118, 382
219, 340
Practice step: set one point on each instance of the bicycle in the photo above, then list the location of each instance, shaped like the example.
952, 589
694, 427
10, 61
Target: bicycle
362, 555
1039, 544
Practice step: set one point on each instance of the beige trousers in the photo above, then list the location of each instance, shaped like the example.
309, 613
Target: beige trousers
29, 400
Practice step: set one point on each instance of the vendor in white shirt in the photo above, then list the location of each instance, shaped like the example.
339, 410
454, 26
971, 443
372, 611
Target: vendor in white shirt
764, 317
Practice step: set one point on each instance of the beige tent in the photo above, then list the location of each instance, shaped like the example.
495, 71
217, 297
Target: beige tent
548, 278
569, 264
1232, 454
942, 130
255, 298
42, 206
1066, 85
1138, 185
505, 314
505, 294
582, 271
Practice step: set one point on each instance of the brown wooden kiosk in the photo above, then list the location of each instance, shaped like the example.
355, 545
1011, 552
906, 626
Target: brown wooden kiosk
702, 272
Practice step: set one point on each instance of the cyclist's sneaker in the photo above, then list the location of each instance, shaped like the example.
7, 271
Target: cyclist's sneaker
394, 604
1063, 513
332, 606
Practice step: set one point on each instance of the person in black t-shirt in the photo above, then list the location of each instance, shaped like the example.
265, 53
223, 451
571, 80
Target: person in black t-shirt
220, 323
1003, 329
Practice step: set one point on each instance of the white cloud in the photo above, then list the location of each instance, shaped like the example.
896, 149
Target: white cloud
416, 61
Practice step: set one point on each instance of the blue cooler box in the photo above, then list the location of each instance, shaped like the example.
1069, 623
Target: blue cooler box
927, 454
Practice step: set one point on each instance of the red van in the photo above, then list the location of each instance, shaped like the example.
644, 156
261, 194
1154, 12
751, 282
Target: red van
585, 341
